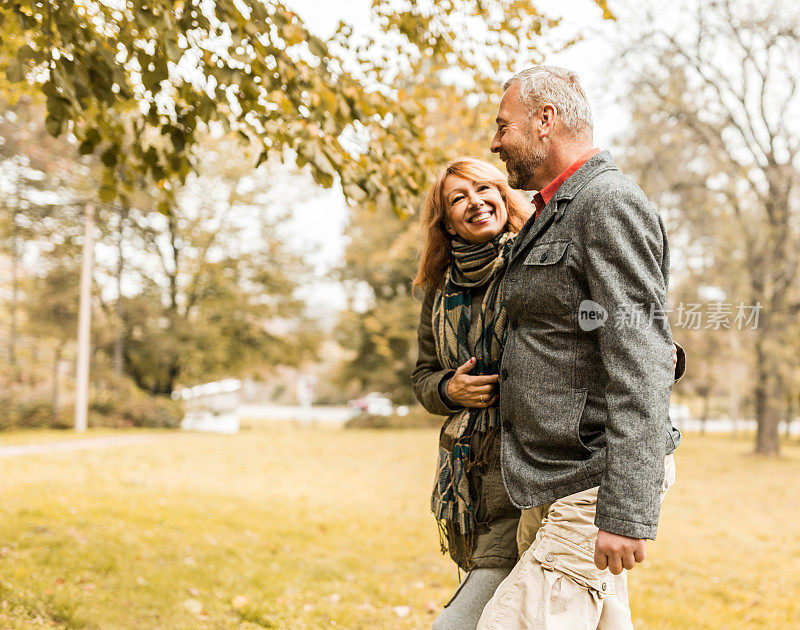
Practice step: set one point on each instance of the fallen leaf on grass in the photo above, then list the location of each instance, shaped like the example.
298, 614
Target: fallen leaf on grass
194, 606
41, 530
402, 611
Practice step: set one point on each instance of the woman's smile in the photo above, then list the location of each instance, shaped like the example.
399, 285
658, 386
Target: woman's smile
475, 210
481, 217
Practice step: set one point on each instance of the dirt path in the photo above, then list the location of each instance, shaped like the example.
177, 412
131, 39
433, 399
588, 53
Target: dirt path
15, 450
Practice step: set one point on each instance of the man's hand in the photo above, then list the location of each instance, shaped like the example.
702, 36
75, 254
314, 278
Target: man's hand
472, 391
617, 552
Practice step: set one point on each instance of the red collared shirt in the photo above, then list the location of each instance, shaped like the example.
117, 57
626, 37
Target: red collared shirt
543, 197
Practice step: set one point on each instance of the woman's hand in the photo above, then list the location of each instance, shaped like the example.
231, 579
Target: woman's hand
472, 391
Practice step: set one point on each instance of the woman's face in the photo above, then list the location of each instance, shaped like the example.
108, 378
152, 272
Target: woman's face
474, 210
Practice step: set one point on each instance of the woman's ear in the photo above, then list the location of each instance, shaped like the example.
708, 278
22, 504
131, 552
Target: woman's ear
449, 227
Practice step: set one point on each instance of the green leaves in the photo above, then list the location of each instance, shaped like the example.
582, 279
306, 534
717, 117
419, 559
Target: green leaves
54, 126
107, 193
110, 157
26, 54
86, 147
15, 71
268, 79
154, 73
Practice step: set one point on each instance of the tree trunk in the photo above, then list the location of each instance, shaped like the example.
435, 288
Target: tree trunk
770, 343
56, 364
12, 334
84, 324
174, 368
704, 416
734, 395
172, 377
768, 397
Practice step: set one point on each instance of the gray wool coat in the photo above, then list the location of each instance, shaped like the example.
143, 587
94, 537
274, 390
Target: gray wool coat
583, 407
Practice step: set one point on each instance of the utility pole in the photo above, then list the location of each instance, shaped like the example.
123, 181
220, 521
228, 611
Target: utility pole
85, 323
119, 342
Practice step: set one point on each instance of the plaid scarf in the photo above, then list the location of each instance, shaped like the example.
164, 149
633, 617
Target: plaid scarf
467, 435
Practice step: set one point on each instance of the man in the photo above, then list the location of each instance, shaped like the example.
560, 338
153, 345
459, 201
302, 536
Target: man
587, 369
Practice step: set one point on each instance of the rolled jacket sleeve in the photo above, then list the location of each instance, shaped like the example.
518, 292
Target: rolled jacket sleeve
428, 376
627, 260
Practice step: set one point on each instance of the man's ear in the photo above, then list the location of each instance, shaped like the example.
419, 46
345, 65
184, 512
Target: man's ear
546, 119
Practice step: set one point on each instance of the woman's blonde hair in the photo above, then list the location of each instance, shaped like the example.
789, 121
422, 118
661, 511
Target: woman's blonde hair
436, 256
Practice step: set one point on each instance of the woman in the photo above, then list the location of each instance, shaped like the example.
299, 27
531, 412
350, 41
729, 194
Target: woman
470, 218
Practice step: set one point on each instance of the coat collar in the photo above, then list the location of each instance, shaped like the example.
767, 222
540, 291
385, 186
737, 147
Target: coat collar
556, 206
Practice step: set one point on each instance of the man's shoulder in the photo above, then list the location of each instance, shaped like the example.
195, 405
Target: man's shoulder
610, 183
611, 191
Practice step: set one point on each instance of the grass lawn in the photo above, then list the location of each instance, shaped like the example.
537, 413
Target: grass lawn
310, 529
43, 436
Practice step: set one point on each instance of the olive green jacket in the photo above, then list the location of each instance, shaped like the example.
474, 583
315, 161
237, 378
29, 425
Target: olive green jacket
495, 541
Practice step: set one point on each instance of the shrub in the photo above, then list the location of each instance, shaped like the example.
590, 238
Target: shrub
111, 404
122, 404
154, 412
28, 410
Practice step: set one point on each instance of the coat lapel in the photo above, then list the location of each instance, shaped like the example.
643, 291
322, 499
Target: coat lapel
533, 229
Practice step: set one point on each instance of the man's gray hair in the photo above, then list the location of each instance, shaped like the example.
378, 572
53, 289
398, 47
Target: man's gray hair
559, 87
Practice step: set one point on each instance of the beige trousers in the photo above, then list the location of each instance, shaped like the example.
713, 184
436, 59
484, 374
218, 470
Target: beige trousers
555, 585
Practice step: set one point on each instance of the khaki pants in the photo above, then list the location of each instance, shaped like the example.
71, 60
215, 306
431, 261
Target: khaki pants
556, 585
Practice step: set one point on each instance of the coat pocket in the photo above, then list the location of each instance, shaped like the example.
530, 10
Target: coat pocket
548, 424
544, 281
545, 254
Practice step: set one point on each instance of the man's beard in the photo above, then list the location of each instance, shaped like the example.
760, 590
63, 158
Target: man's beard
522, 167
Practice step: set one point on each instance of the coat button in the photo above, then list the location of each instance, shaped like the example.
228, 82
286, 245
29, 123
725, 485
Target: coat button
550, 557
504, 374
514, 324
543, 258
603, 586
506, 425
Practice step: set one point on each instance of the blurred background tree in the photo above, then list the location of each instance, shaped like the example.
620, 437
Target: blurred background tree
715, 142
176, 115
204, 291
136, 83
141, 87
215, 286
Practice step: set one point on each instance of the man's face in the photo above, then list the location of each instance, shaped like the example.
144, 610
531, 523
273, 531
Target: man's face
517, 142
